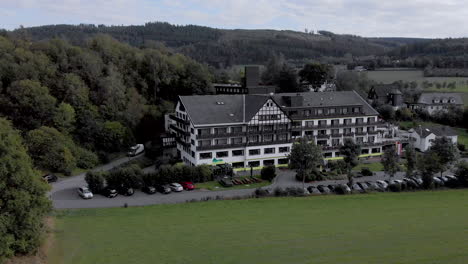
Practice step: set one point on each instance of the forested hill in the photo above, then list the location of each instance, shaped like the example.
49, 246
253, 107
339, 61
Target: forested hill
220, 47
71, 103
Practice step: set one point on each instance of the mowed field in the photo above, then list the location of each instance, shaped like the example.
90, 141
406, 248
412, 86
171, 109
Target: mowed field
420, 227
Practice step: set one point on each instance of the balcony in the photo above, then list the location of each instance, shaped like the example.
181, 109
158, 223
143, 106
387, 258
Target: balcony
180, 120
323, 136
274, 142
372, 132
224, 146
179, 130
350, 134
222, 135
361, 133
336, 135
181, 142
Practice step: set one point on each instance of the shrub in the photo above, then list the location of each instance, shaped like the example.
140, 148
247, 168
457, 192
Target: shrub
260, 192
461, 147
340, 189
366, 172
462, 173
278, 191
85, 158
313, 175
294, 191
95, 181
268, 173
428, 181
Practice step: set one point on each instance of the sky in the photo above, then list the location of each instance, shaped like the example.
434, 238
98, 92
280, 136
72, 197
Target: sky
370, 18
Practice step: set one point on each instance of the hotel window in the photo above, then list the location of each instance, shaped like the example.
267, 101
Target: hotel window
222, 154
371, 120
254, 152
236, 129
206, 155
355, 109
253, 128
371, 139
335, 122
322, 132
322, 122
254, 163
332, 111
221, 141
236, 140
319, 111
335, 142
344, 110
283, 161
335, 131
359, 139
220, 130
239, 152
267, 138
203, 131
269, 151
282, 137
283, 149
283, 126
192, 142
268, 128
204, 143
371, 129
309, 133
253, 139
347, 121
322, 142
309, 123
192, 130
359, 120
347, 131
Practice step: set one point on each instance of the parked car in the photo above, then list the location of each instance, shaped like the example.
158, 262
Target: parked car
165, 189
50, 178
342, 189
331, 187
85, 193
412, 184
124, 190
452, 181
375, 186
383, 184
109, 192
357, 188
175, 187
148, 189
313, 190
418, 180
438, 182
323, 189
225, 182
136, 150
363, 186
187, 186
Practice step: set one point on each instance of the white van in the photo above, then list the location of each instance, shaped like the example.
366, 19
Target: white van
136, 150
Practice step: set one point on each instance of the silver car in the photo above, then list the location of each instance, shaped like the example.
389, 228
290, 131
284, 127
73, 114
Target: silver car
175, 187
85, 193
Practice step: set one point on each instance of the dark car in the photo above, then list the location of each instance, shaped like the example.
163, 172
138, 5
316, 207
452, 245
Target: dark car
225, 182
165, 189
331, 187
313, 190
148, 189
50, 178
438, 182
124, 190
342, 189
412, 184
109, 192
375, 186
323, 189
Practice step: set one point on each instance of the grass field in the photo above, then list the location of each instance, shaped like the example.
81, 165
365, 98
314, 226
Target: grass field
421, 227
215, 186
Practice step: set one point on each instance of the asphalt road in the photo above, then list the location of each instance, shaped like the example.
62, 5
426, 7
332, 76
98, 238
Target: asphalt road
64, 195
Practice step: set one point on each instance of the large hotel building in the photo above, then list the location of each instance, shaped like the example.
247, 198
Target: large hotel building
257, 130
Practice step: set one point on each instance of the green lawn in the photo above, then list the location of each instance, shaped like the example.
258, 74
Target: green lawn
421, 227
374, 166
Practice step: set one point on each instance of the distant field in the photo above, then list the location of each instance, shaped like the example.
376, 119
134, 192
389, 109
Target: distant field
420, 227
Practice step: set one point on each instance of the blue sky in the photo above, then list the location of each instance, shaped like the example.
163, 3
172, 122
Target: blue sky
403, 18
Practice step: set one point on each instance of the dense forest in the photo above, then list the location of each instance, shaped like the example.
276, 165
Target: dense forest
223, 48
74, 104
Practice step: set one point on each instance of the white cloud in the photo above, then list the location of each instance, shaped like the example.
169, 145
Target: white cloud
419, 18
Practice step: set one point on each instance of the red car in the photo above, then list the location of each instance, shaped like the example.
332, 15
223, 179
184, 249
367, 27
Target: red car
187, 186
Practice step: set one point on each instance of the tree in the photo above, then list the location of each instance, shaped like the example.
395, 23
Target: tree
268, 173
386, 112
446, 151
428, 164
287, 80
350, 152
23, 200
462, 173
390, 161
64, 118
305, 157
114, 136
29, 103
95, 181
411, 160
316, 74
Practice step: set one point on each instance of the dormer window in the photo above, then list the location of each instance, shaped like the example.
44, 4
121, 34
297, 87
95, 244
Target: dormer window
345, 110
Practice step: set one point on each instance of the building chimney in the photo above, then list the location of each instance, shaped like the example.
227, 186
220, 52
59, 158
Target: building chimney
252, 76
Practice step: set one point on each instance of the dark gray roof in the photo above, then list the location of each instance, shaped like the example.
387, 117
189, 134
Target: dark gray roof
383, 90
440, 131
428, 98
217, 109
327, 99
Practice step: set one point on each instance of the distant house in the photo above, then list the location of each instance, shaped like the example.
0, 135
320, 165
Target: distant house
432, 102
424, 135
386, 94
